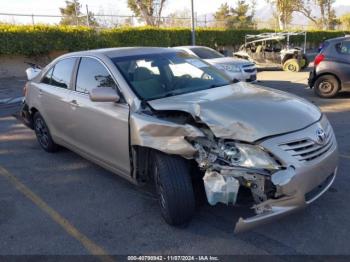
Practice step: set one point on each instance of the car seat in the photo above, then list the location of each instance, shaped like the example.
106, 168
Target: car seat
146, 83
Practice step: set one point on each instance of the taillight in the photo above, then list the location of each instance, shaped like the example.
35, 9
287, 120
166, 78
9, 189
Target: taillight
318, 59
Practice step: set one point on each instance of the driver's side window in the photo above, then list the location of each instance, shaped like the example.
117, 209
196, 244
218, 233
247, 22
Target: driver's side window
92, 74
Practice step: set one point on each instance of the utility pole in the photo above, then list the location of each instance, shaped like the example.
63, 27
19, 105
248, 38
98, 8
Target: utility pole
193, 31
76, 13
87, 16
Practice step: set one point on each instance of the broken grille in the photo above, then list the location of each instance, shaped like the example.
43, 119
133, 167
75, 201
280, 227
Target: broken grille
307, 149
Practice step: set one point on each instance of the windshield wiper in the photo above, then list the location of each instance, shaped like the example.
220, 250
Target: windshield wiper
181, 91
167, 94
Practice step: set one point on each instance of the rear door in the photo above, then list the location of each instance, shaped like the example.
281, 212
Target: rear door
101, 129
54, 99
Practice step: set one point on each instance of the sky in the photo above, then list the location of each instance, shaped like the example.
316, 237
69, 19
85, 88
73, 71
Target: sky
115, 7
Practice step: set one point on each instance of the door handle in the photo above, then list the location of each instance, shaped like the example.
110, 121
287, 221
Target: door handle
40, 92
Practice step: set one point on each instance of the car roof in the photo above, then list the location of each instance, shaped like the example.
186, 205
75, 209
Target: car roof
337, 39
123, 51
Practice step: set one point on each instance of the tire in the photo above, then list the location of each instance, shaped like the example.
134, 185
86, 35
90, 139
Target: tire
43, 135
305, 62
326, 86
291, 65
174, 188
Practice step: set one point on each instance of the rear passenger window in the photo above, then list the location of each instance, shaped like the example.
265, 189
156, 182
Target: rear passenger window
62, 73
92, 74
344, 47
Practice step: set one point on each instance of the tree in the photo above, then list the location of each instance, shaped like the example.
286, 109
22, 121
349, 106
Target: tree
180, 18
237, 17
284, 10
328, 17
222, 15
345, 21
149, 10
240, 17
72, 15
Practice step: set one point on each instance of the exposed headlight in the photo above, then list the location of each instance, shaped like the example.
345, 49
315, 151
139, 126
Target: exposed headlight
231, 68
249, 156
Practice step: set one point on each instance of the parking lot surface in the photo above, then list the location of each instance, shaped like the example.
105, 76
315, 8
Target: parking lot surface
62, 204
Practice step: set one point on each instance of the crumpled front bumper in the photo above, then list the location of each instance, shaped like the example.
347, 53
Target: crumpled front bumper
306, 185
304, 180
281, 207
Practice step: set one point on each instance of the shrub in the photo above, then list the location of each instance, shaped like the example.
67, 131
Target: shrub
43, 39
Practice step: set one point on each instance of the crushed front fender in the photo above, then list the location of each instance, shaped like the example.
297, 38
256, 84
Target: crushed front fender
162, 135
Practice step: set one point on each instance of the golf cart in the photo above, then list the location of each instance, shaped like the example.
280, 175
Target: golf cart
274, 50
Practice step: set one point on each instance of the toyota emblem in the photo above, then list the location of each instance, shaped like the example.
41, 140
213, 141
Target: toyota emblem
321, 136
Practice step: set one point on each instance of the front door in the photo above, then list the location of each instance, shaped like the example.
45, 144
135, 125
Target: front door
101, 129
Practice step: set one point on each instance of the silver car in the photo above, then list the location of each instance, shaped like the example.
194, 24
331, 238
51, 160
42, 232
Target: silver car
160, 115
235, 68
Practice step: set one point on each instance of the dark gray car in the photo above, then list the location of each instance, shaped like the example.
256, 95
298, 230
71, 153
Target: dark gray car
331, 72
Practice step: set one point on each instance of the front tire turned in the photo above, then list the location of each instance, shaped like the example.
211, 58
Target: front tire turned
174, 188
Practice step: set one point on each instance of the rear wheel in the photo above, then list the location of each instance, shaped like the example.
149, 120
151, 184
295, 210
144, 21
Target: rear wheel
291, 65
174, 188
43, 134
326, 86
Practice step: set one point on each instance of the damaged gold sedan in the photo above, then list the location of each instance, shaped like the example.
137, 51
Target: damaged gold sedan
161, 115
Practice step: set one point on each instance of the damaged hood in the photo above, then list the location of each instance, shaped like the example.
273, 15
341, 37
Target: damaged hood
243, 111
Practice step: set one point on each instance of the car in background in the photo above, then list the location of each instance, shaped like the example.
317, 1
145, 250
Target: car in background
331, 72
235, 68
161, 116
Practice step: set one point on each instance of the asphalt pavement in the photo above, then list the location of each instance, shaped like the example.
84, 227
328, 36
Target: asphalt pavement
59, 204
11, 94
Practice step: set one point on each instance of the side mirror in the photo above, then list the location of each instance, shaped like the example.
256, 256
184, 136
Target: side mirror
104, 94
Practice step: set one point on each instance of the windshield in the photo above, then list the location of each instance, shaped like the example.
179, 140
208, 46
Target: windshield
206, 53
162, 75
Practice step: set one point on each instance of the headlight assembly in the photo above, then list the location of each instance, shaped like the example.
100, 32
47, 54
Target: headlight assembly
233, 154
245, 155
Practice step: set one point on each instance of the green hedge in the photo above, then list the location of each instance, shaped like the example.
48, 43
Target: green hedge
42, 39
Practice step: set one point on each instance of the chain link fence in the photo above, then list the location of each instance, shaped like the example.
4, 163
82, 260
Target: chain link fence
110, 21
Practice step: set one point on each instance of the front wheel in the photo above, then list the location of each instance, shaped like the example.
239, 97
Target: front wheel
174, 188
326, 86
291, 65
